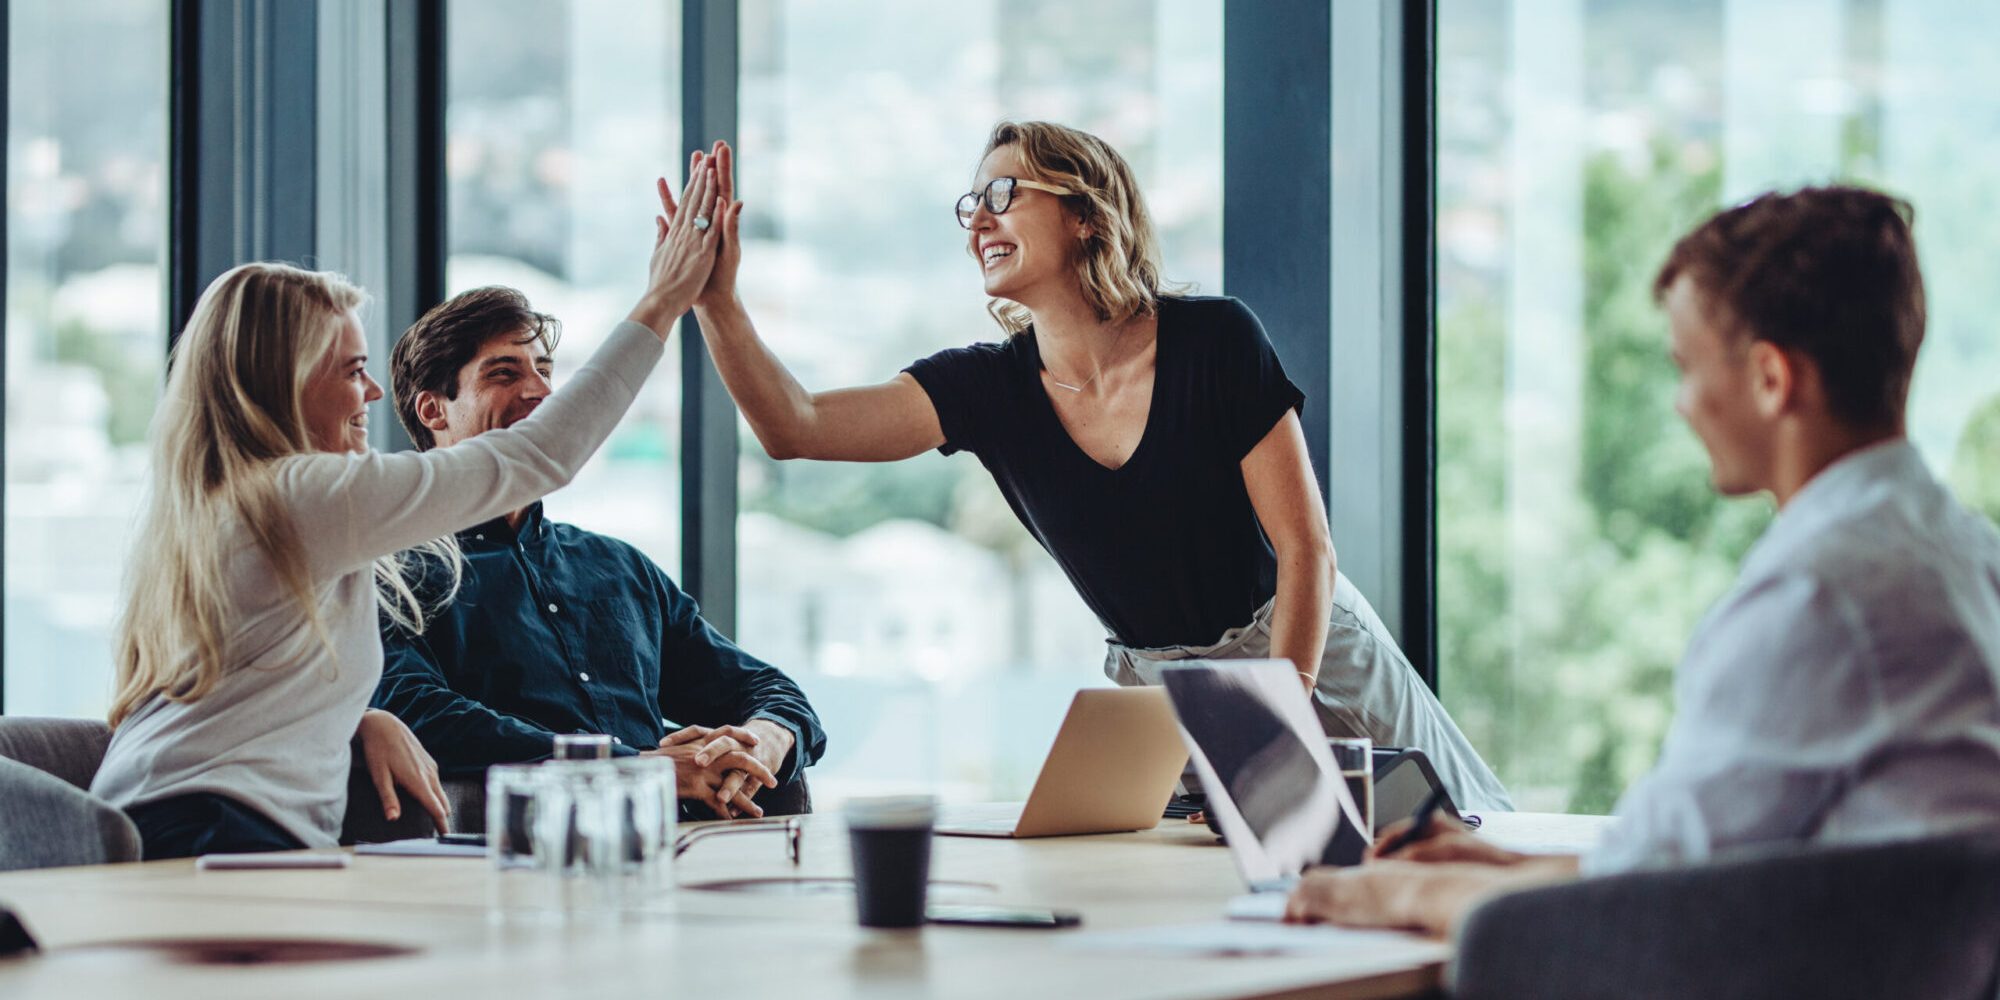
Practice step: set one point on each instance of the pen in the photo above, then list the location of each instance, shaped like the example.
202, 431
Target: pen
1420, 821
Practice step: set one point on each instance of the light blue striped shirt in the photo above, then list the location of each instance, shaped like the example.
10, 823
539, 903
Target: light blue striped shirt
1846, 690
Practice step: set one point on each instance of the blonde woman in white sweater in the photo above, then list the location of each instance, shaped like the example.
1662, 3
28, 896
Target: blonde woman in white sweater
248, 647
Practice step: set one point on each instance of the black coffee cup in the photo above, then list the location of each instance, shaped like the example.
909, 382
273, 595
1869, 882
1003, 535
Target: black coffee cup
891, 843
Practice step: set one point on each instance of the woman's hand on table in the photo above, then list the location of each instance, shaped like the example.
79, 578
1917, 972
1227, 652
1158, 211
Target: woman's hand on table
397, 760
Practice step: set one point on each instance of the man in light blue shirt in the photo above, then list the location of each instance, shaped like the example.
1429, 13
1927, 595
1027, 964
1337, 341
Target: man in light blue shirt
1847, 689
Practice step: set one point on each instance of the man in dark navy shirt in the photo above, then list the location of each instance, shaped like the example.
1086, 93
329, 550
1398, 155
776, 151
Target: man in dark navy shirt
559, 630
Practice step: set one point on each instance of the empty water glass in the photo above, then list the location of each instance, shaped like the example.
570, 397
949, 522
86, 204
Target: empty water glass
513, 797
510, 803
577, 832
648, 804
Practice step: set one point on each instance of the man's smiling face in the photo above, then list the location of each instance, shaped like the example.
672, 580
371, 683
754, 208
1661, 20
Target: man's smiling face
504, 381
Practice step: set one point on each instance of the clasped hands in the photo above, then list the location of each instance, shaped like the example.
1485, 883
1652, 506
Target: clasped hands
724, 766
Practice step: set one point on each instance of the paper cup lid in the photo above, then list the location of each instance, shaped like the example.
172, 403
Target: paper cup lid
891, 812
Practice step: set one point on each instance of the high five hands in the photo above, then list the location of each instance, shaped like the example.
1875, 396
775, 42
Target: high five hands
684, 250
721, 161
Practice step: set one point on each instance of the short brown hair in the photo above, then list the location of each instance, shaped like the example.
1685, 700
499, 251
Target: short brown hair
430, 354
1830, 272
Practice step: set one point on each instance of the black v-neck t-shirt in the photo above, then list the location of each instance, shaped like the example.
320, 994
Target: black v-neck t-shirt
1166, 549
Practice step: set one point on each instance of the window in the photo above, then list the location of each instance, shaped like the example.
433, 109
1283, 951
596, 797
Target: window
85, 323
936, 639
1579, 541
558, 118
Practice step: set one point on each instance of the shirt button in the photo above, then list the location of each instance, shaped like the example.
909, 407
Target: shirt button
479, 537
552, 609
584, 677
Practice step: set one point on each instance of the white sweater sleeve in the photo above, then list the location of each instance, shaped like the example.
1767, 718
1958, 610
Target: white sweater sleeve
353, 508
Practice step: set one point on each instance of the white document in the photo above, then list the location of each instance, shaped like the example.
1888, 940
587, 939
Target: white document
423, 847
268, 861
1237, 938
1258, 906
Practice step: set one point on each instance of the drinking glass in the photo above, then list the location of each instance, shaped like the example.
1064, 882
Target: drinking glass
517, 888
582, 746
1355, 757
578, 833
647, 804
510, 802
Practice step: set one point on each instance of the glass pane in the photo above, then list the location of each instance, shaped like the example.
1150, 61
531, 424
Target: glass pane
937, 640
559, 115
86, 331
1579, 541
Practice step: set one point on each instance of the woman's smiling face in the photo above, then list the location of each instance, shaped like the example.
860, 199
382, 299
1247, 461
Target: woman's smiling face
337, 395
1028, 247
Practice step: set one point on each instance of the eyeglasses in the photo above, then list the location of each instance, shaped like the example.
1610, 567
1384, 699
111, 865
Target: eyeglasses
999, 196
792, 827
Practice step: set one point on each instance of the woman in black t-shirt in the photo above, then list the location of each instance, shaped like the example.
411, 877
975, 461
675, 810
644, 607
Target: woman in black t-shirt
1150, 442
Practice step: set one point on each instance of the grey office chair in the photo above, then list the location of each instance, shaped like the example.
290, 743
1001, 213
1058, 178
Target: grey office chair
1913, 919
50, 818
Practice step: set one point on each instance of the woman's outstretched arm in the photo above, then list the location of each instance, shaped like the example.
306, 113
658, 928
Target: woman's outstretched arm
361, 506
878, 423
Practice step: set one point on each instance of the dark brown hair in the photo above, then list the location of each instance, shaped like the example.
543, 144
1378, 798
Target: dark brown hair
1829, 272
430, 354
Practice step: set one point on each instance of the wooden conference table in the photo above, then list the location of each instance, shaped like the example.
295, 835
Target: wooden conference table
695, 942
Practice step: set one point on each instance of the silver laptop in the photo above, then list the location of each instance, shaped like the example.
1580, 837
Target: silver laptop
1271, 782
1111, 770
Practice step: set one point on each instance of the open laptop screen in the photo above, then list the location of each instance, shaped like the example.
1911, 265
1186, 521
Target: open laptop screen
1263, 761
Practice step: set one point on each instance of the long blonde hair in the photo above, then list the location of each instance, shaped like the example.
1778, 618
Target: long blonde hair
1118, 265
232, 409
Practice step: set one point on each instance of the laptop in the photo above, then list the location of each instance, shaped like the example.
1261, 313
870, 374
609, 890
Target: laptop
1113, 766
1271, 782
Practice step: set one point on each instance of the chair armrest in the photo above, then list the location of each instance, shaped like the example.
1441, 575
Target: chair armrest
70, 749
46, 822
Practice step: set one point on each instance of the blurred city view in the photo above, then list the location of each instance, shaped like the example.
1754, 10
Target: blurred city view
1579, 541
85, 329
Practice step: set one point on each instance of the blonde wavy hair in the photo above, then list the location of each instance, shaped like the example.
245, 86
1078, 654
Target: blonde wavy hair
1118, 261
232, 411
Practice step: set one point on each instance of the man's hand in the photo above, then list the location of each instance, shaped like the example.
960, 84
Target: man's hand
703, 759
396, 759
1446, 840
1385, 894
1426, 897
774, 742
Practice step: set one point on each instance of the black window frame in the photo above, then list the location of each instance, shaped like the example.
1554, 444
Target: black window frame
242, 187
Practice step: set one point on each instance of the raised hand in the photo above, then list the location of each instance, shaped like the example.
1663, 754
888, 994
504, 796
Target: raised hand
684, 252
721, 287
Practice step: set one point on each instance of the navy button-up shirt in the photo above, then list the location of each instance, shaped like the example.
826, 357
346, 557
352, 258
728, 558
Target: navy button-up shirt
559, 630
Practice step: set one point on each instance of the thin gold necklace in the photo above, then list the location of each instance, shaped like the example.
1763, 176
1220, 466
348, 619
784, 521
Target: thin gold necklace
1100, 367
